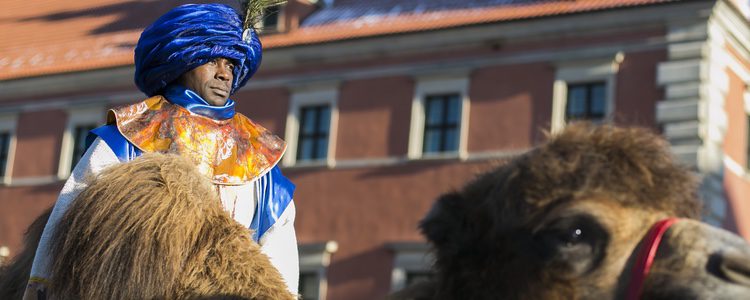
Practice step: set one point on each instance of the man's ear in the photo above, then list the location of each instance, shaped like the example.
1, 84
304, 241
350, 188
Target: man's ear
445, 224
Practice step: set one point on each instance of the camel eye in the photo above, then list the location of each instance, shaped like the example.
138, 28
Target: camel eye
573, 237
573, 244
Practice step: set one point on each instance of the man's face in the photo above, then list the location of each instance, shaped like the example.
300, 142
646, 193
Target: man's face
212, 80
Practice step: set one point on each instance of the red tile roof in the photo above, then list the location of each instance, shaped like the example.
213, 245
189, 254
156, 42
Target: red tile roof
43, 37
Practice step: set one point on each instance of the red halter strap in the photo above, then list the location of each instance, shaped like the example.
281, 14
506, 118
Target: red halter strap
646, 256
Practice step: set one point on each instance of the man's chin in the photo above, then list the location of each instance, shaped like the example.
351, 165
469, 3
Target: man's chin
216, 101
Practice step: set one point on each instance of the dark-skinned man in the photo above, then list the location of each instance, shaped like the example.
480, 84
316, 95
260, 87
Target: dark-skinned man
188, 63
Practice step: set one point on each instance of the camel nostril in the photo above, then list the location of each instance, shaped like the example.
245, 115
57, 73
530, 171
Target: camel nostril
735, 268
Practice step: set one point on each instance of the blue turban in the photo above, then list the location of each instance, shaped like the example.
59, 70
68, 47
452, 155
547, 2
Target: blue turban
189, 36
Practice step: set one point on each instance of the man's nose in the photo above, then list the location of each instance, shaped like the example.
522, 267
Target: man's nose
223, 73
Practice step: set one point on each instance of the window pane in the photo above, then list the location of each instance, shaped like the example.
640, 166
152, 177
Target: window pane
315, 124
434, 110
309, 286
321, 146
305, 151
443, 115
413, 277
454, 110
576, 101
598, 100
271, 17
325, 119
431, 141
79, 143
451, 140
308, 120
4, 150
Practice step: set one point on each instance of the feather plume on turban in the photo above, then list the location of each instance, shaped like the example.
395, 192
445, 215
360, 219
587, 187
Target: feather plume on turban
189, 36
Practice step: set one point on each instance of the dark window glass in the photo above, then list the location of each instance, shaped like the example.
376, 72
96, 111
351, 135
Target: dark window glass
4, 150
315, 122
271, 18
413, 277
309, 286
586, 101
79, 142
442, 119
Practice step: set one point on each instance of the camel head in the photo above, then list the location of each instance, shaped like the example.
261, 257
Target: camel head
568, 219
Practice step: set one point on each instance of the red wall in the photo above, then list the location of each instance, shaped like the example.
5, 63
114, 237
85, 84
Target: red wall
509, 106
374, 116
636, 88
39, 138
735, 145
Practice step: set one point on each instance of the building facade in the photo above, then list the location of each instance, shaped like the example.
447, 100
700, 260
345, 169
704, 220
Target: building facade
385, 105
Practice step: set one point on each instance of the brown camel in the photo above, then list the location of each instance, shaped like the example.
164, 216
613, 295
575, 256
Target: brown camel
567, 219
15, 274
153, 228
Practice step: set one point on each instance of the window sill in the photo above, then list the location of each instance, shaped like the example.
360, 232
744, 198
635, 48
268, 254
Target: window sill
438, 156
315, 164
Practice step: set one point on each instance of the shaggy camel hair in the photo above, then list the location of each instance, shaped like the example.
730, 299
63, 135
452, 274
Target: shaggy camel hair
563, 220
153, 228
15, 275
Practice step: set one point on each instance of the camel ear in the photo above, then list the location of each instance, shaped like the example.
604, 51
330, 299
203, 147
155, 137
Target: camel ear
445, 224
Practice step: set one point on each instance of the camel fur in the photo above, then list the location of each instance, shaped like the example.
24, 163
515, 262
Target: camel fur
14, 276
564, 221
153, 228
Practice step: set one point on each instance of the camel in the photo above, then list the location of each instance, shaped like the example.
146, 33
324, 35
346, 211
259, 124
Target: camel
152, 228
13, 277
570, 219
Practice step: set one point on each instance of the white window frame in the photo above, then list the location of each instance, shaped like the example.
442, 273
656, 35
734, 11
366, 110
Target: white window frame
4, 255
308, 96
569, 73
76, 116
8, 122
409, 257
433, 85
315, 258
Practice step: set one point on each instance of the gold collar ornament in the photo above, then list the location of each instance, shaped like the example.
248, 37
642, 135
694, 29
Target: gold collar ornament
229, 152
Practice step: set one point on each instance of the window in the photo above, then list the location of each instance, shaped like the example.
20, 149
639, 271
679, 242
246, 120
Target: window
311, 126
4, 255
442, 116
439, 121
80, 121
314, 260
7, 145
271, 17
309, 285
79, 142
272, 21
586, 101
4, 151
584, 90
413, 277
412, 264
313, 132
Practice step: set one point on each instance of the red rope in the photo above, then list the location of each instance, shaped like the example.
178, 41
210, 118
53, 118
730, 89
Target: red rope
646, 257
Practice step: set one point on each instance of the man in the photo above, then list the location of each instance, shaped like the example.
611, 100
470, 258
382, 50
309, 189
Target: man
189, 62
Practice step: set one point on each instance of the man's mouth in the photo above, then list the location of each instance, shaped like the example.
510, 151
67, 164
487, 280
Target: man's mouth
220, 91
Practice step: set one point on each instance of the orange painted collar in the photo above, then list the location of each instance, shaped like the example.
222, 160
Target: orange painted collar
230, 152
